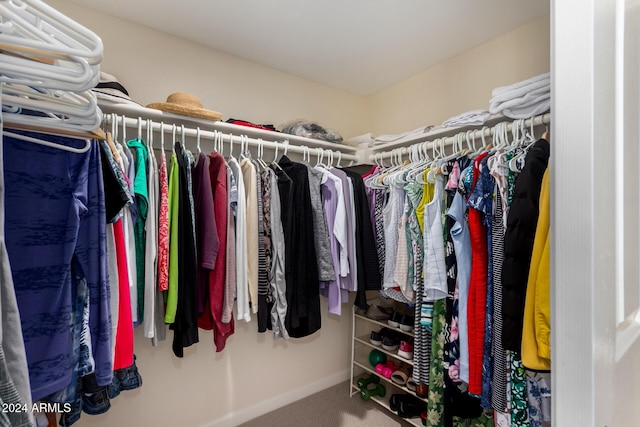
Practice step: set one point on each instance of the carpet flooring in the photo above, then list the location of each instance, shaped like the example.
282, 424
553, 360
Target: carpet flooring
329, 408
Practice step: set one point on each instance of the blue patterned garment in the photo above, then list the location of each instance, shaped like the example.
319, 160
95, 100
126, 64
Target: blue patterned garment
55, 213
539, 397
482, 199
489, 184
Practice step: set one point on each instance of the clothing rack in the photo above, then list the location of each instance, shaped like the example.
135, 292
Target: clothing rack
232, 136
188, 127
433, 140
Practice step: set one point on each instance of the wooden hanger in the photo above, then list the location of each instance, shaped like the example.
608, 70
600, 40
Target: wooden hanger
112, 147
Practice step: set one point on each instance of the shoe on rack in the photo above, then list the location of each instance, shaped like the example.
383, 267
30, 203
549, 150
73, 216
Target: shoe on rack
395, 399
389, 343
411, 384
395, 319
375, 338
360, 311
376, 312
406, 323
400, 376
422, 390
406, 350
411, 408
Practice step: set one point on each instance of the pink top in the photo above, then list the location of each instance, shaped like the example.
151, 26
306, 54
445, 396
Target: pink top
163, 228
123, 357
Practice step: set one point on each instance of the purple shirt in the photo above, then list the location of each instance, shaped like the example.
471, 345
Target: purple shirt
331, 289
347, 282
207, 241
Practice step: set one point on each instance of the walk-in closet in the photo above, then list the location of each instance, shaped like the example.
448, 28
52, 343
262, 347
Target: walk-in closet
331, 213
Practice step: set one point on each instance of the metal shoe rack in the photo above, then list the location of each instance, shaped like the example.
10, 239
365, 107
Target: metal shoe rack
360, 366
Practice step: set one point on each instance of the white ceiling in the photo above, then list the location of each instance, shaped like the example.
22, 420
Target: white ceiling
360, 46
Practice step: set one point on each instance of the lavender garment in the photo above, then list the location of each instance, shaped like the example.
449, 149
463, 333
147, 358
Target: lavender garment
331, 289
349, 282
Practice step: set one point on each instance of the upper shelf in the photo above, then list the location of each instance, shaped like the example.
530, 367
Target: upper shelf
226, 128
445, 132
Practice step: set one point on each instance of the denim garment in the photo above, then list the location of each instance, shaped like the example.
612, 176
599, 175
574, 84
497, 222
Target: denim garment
462, 246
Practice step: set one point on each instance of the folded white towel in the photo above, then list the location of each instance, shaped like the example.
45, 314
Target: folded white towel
515, 86
470, 118
390, 138
528, 111
367, 138
528, 98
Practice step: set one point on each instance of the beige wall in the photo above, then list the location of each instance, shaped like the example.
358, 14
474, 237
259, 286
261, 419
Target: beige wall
255, 374
152, 65
462, 83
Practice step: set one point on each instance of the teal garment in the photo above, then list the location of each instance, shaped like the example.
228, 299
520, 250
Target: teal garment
141, 154
519, 400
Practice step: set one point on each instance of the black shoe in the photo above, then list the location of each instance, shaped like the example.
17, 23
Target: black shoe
390, 344
395, 399
411, 408
395, 319
375, 338
406, 323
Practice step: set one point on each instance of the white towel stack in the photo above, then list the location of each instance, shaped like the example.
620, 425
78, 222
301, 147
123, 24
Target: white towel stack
523, 99
371, 139
470, 118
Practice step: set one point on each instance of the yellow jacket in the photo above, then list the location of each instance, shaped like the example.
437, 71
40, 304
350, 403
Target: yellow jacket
536, 333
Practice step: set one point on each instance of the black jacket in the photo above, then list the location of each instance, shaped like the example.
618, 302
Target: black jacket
518, 242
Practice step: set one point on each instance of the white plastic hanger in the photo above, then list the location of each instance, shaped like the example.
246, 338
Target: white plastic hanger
26, 138
84, 149
36, 27
150, 136
244, 140
274, 163
60, 111
140, 129
31, 32
124, 130
261, 161
217, 142
320, 158
162, 135
173, 138
198, 140
372, 180
231, 146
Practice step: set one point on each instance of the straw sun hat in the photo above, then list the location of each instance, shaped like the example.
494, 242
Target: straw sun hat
185, 104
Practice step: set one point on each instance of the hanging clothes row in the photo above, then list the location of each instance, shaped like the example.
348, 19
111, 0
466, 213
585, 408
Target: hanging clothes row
118, 235
55, 307
463, 237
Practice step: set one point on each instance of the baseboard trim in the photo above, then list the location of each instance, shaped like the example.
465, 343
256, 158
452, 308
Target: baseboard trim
242, 416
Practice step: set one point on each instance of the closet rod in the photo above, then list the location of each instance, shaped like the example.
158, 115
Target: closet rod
542, 119
282, 146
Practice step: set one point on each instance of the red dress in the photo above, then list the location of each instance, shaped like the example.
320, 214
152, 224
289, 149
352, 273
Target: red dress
123, 357
476, 308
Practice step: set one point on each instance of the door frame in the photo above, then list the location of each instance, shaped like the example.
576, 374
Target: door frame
583, 244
